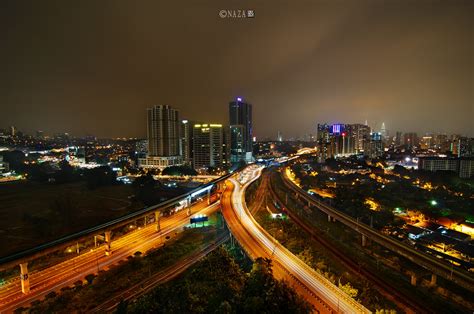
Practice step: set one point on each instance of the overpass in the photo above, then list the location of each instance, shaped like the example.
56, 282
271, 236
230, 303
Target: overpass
435, 266
23, 257
257, 242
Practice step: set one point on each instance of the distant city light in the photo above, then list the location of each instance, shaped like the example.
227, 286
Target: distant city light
239, 99
407, 159
434, 203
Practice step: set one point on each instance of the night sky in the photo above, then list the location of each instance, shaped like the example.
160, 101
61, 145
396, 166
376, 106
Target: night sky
92, 67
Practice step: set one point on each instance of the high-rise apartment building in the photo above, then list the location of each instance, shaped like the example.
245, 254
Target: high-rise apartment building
163, 138
374, 148
210, 146
240, 121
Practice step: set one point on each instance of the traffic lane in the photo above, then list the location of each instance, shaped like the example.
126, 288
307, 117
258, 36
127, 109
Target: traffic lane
143, 241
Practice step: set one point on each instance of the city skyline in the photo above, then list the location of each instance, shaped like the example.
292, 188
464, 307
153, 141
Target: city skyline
404, 63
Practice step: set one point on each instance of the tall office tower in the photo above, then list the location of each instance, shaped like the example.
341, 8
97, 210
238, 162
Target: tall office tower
410, 140
342, 139
12, 131
374, 148
210, 146
279, 137
360, 134
39, 134
323, 132
186, 141
240, 120
384, 132
163, 138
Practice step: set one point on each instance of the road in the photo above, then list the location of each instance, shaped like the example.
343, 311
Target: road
74, 269
161, 277
315, 288
436, 266
403, 301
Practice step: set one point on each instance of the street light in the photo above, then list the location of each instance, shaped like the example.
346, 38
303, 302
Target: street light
434, 203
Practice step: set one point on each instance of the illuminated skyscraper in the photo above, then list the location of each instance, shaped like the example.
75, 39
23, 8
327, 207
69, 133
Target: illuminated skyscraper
163, 138
240, 121
186, 141
210, 146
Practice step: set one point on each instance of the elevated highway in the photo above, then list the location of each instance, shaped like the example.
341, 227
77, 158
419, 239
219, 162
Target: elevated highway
24, 257
315, 288
434, 265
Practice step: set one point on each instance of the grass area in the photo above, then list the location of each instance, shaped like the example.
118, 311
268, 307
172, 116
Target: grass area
32, 213
83, 298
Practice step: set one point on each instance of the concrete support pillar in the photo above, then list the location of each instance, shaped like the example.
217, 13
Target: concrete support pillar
364, 240
209, 197
309, 204
108, 242
188, 212
25, 279
413, 279
433, 279
329, 218
157, 220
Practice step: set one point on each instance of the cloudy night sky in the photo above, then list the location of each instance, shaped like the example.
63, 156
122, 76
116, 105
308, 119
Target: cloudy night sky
92, 67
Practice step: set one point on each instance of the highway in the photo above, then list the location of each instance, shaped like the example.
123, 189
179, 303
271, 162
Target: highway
431, 263
74, 269
315, 288
161, 277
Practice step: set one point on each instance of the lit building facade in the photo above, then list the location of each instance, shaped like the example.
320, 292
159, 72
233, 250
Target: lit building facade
4, 166
210, 146
186, 141
163, 138
464, 167
241, 134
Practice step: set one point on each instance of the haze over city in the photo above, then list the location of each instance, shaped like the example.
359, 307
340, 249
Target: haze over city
237, 156
94, 67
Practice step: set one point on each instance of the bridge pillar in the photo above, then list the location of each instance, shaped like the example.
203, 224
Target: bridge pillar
157, 220
108, 242
433, 279
25, 279
364, 240
209, 197
188, 212
413, 279
309, 204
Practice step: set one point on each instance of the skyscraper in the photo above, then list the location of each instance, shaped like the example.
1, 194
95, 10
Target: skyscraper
163, 138
374, 148
186, 141
210, 146
240, 121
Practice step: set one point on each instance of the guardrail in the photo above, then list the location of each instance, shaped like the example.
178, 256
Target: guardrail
437, 267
